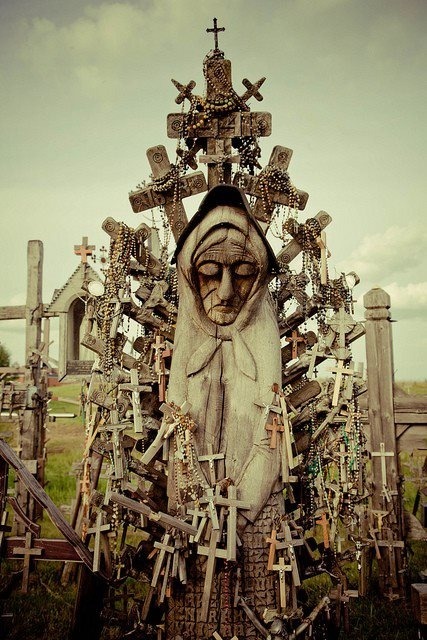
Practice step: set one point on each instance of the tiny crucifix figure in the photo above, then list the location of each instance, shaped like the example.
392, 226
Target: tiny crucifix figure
215, 31
84, 249
282, 568
295, 338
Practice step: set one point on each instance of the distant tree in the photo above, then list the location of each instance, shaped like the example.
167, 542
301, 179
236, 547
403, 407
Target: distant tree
4, 356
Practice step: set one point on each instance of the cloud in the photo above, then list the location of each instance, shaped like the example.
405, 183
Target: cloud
396, 250
409, 300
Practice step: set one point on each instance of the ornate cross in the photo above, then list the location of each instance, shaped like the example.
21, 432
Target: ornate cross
84, 249
215, 31
341, 323
167, 189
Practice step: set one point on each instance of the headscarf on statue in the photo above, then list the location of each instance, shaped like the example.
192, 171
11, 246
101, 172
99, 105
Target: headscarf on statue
227, 344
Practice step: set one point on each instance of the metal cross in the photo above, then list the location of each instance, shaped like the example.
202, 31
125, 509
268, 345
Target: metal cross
215, 31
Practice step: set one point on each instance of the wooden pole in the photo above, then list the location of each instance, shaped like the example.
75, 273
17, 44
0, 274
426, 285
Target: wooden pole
386, 482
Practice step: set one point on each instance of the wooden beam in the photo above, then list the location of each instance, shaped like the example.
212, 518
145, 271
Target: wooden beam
53, 549
13, 313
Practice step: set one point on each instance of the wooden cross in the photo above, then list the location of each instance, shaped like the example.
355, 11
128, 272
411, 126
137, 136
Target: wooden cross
275, 427
391, 545
215, 31
200, 519
184, 90
272, 551
313, 355
167, 428
341, 323
292, 459
324, 524
117, 442
383, 454
324, 255
256, 186
98, 530
232, 505
289, 543
28, 552
340, 371
135, 389
84, 249
252, 90
294, 339
170, 193
211, 458
212, 553
282, 568
159, 366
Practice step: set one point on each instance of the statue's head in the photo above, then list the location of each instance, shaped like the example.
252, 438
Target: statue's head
225, 253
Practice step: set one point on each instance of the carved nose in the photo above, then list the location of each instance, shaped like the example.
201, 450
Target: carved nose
225, 289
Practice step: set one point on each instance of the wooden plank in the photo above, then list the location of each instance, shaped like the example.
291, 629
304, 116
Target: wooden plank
16, 312
39, 494
53, 548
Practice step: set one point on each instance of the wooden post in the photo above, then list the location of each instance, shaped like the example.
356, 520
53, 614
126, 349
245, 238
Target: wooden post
379, 356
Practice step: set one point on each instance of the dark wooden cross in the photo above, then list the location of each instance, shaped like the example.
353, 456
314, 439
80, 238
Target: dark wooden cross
275, 427
167, 189
294, 339
324, 524
84, 249
268, 198
215, 31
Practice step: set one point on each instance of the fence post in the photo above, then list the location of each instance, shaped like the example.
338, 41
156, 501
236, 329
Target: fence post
386, 481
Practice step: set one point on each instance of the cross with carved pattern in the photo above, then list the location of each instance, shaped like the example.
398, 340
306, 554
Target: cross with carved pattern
257, 185
294, 339
341, 323
167, 189
215, 31
84, 249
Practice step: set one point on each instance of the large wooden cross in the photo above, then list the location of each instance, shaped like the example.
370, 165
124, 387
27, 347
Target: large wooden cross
167, 189
28, 552
84, 249
268, 197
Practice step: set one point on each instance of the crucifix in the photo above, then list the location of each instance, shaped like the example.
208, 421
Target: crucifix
282, 568
167, 189
383, 454
28, 552
84, 249
135, 388
211, 458
116, 430
289, 543
340, 370
295, 338
159, 366
215, 31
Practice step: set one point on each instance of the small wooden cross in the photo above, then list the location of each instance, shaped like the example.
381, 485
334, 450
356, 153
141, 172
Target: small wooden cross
84, 249
275, 427
200, 519
272, 551
313, 355
169, 195
289, 543
99, 529
116, 431
232, 505
340, 371
324, 255
184, 90
28, 552
341, 323
215, 31
212, 553
282, 568
136, 389
295, 338
324, 524
211, 458
163, 547
383, 454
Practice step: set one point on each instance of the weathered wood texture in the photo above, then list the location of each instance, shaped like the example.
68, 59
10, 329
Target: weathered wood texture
38, 493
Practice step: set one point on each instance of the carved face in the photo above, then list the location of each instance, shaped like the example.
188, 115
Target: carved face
225, 274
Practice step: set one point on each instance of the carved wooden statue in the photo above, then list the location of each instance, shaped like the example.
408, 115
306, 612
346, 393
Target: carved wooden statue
226, 362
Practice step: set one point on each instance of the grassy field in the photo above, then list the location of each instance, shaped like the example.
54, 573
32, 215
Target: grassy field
46, 611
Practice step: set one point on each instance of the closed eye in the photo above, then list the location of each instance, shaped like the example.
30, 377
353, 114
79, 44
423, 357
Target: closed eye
244, 269
209, 269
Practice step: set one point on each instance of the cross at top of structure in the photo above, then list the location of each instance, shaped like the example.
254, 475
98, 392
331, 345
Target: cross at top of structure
215, 31
84, 249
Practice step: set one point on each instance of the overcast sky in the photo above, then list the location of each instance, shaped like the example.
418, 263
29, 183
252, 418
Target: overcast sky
86, 90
